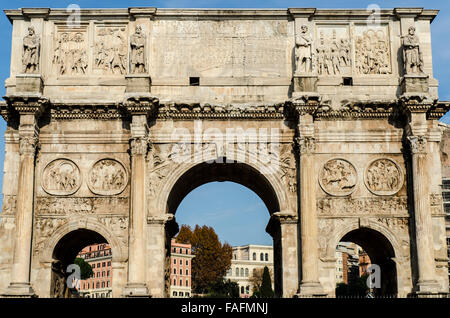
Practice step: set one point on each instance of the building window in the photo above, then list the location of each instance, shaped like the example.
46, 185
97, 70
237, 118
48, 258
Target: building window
242, 289
103, 264
103, 284
187, 262
254, 256
93, 265
187, 282
181, 271
109, 263
181, 294
261, 257
107, 273
98, 274
187, 272
242, 272
246, 272
187, 294
247, 290
237, 272
174, 260
174, 282
181, 282
97, 285
175, 271
267, 257
107, 283
175, 293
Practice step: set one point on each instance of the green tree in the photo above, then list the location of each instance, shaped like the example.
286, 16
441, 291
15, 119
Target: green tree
223, 289
212, 258
85, 268
266, 286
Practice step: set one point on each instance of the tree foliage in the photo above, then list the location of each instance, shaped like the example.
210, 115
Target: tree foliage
266, 290
212, 258
223, 289
85, 268
256, 279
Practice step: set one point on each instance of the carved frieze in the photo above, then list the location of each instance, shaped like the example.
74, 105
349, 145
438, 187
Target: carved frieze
110, 49
107, 177
61, 177
160, 167
9, 204
288, 167
372, 50
44, 228
31, 51
436, 202
362, 206
333, 51
383, 177
81, 205
338, 177
70, 53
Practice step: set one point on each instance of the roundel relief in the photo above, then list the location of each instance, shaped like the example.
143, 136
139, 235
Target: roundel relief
338, 177
61, 177
383, 177
107, 177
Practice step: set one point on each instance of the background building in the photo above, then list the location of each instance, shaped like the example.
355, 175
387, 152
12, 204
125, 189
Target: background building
245, 260
445, 159
180, 277
100, 284
351, 262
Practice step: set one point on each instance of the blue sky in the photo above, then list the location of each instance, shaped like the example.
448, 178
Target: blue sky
238, 215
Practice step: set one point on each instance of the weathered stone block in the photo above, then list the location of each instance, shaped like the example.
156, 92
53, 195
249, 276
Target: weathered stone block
415, 84
29, 83
305, 83
138, 84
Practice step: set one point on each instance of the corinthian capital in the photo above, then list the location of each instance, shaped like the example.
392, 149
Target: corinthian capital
28, 145
418, 144
305, 145
139, 146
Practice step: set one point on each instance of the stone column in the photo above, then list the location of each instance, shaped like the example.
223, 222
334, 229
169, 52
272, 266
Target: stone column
29, 110
306, 146
161, 229
136, 286
309, 285
422, 216
283, 228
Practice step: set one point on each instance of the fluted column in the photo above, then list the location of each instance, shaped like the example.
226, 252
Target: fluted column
28, 108
310, 285
136, 286
422, 215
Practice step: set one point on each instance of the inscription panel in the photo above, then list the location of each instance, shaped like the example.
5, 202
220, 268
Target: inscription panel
221, 48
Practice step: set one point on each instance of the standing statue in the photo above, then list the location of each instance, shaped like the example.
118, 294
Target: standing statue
412, 55
137, 58
30, 57
303, 54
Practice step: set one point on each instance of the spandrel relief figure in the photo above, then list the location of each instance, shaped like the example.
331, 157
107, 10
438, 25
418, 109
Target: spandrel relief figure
31, 48
303, 54
412, 54
137, 58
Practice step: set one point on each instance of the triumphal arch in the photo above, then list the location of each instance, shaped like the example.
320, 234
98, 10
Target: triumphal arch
115, 115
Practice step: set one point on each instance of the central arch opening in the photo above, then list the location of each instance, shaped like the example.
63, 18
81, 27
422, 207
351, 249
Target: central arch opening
236, 200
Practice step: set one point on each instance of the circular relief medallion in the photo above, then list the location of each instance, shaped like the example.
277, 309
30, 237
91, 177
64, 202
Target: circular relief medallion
338, 177
61, 177
107, 177
383, 177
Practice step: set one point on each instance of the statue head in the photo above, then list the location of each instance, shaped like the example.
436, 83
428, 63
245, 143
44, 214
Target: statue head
31, 30
304, 28
412, 30
138, 29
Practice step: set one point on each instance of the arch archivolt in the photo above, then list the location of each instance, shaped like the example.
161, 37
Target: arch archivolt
67, 225
332, 230
165, 171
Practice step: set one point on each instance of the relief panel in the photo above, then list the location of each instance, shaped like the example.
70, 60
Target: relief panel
383, 177
110, 50
61, 177
338, 177
333, 54
70, 51
107, 177
372, 50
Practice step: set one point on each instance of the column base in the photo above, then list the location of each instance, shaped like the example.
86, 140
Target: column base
136, 290
311, 289
19, 290
427, 286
